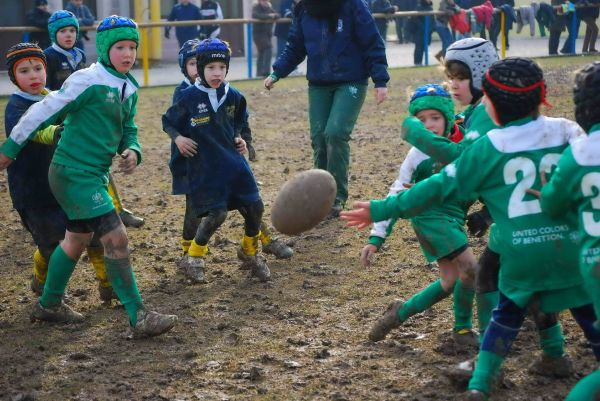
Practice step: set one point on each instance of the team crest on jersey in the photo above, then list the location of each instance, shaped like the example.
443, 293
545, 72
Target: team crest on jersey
471, 135
65, 65
202, 108
340, 25
110, 97
231, 111
97, 198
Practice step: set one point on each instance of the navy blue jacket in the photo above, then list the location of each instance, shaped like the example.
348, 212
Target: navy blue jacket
218, 175
177, 163
191, 12
60, 67
28, 174
282, 29
351, 54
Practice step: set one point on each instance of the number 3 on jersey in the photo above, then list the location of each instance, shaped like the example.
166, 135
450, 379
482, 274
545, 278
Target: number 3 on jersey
517, 206
589, 183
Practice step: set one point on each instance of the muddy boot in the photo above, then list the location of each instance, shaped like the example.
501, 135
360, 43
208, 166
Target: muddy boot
336, 209
194, 269
36, 286
473, 395
245, 259
257, 265
387, 322
131, 220
461, 373
60, 313
107, 293
150, 324
545, 365
278, 249
465, 338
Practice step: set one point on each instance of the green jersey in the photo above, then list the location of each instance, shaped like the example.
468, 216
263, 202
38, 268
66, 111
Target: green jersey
477, 124
537, 252
98, 106
440, 230
576, 185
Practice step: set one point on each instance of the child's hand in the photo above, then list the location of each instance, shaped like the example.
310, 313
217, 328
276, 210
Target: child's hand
380, 95
5, 161
269, 82
367, 253
360, 216
128, 161
187, 147
240, 145
544, 181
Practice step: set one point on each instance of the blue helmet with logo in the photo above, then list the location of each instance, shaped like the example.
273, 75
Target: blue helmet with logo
187, 51
211, 50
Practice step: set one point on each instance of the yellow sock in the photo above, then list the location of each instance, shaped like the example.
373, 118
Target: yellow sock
250, 245
96, 255
40, 266
112, 191
197, 251
265, 237
185, 244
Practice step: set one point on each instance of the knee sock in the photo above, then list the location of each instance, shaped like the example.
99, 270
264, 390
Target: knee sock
60, 270
486, 302
423, 300
185, 245
487, 369
123, 281
114, 195
552, 341
265, 234
96, 256
250, 245
40, 266
463, 306
197, 251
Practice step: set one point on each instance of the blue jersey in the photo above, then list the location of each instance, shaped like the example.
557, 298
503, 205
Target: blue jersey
61, 64
177, 162
218, 175
28, 174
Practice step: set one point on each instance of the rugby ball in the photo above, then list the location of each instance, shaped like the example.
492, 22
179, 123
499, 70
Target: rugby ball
303, 201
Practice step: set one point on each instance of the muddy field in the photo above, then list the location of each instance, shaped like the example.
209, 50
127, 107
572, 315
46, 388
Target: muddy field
302, 336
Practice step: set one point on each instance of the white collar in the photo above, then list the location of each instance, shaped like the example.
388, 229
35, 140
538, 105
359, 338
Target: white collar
114, 81
586, 150
28, 96
212, 94
541, 133
73, 60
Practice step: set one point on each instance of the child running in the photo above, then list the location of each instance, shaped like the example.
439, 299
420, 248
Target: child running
211, 113
537, 252
576, 184
98, 106
440, 231
182, 145
30, 192
63, 59
466, 63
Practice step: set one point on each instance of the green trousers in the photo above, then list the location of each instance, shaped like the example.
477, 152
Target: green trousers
333, 111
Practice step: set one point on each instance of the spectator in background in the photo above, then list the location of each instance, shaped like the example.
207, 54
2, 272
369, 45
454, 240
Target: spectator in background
184, 11
210, 10
263, 34
401, 33
384, 7
416, 25
556, 27
286, 10
589, 15
84, 17
440, 26
38, 17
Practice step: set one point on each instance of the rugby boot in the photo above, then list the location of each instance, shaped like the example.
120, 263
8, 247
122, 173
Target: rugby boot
390, 320
545, 365
151, 324
61, 313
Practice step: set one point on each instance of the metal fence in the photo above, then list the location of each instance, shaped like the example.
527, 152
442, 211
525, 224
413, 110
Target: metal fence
146, 26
